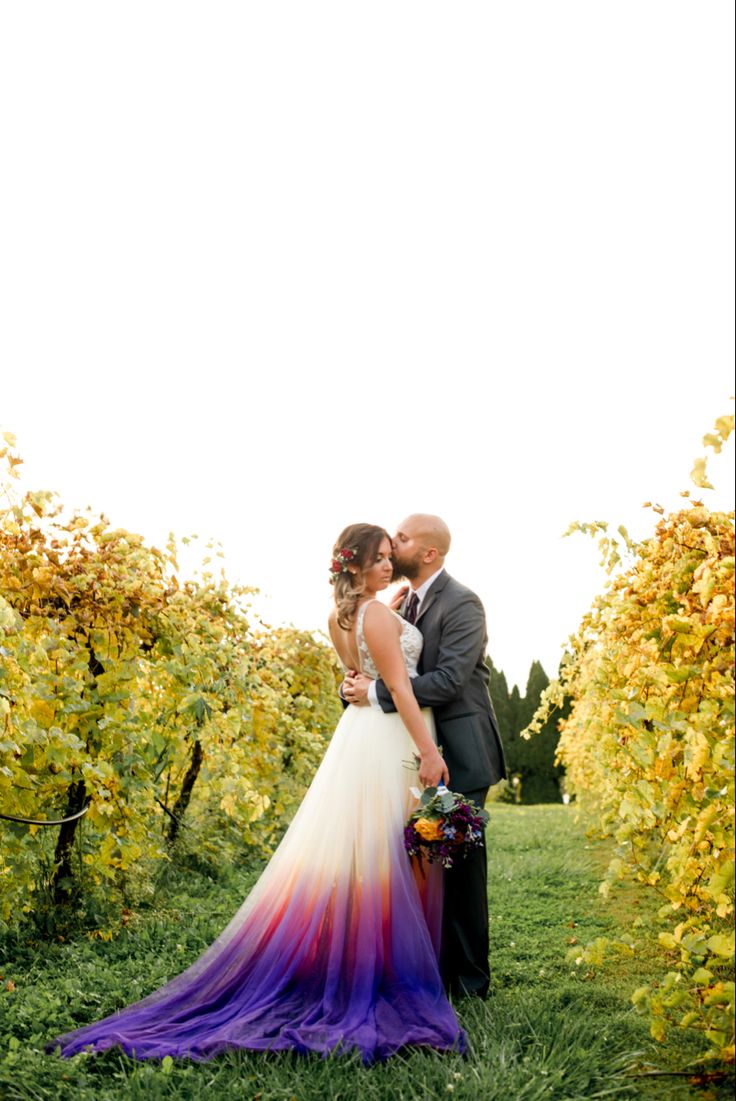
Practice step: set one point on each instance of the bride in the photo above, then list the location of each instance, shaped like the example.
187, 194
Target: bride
336, 946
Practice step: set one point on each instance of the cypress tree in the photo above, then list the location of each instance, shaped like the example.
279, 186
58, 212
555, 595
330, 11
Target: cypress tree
533, 758
500, 696
511, 741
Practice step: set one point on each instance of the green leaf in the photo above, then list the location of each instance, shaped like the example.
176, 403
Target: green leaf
721, 945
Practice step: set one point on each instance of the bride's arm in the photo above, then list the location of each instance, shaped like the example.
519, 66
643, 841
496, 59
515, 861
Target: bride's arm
382, 638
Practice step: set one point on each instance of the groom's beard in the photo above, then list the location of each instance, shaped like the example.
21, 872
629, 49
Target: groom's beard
405, 571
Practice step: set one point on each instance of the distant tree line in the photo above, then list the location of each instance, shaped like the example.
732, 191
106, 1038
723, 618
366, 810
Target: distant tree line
533, 777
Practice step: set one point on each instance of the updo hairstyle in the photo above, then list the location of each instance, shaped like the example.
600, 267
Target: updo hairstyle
363, 540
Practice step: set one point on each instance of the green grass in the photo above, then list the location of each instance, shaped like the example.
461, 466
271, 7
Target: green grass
549, 1030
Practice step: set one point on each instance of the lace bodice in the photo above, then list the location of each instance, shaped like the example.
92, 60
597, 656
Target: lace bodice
411, 643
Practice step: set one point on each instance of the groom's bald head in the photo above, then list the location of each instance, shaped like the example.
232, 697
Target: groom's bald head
430, 531
420, 546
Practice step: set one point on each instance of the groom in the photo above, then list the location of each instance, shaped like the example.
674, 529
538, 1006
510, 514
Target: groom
453, 681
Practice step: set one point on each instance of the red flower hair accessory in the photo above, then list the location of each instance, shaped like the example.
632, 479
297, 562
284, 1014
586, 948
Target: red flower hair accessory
340, 563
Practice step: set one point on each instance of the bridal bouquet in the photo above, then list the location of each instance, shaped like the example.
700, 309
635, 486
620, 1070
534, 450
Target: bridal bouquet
444, 826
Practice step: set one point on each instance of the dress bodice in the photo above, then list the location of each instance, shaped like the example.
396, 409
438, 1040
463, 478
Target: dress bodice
411, 643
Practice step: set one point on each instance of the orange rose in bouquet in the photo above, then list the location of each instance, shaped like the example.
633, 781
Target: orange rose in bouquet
428, 830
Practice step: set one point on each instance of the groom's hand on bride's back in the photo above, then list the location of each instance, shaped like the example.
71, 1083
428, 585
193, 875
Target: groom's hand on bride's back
354, 689
343, 684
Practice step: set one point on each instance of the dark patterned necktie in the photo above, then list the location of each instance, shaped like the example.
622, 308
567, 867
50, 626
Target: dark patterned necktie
412, 604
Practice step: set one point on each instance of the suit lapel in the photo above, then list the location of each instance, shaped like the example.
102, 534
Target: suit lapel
433, 593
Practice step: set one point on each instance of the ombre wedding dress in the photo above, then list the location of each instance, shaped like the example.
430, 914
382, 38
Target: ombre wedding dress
336, 946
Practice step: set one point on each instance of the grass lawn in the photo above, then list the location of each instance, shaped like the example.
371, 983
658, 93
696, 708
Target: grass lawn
549, 1030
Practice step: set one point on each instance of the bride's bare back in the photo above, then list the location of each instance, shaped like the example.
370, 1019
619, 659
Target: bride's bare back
346, 643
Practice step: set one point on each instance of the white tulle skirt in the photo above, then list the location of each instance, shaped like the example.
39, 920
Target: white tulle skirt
336, 946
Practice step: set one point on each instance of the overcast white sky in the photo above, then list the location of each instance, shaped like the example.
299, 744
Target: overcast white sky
269, 269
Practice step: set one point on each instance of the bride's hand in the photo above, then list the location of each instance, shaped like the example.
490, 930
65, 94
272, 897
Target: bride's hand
432, 769
398, 598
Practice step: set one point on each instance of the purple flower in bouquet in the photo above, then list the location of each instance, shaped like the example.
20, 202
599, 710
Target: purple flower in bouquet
444, 826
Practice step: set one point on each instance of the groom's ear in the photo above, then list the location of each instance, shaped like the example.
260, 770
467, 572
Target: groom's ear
431, 555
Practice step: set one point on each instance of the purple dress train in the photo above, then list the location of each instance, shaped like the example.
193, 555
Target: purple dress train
336, 946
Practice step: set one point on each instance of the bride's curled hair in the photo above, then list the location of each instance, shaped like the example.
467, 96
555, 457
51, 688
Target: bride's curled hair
356, 549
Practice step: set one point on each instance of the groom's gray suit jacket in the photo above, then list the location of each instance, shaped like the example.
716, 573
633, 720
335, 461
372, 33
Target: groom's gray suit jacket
453, 680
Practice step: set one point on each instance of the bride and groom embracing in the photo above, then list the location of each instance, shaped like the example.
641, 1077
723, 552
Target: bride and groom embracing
344, 943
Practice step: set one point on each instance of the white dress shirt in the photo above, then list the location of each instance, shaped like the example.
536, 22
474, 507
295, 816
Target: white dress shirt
421, 594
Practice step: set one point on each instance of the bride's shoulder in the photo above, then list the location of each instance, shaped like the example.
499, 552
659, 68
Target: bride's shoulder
378, 616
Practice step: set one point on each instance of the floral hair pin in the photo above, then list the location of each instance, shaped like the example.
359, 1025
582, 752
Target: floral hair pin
340, 563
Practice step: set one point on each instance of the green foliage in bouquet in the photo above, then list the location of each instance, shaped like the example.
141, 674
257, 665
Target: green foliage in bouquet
444, 826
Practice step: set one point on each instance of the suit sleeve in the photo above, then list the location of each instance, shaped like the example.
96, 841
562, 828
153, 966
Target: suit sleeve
461, 645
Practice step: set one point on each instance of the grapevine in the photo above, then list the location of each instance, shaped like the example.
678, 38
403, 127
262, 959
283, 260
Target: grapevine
649, 747
151, 701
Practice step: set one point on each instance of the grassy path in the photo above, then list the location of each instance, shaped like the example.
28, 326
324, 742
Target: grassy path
550, 1029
